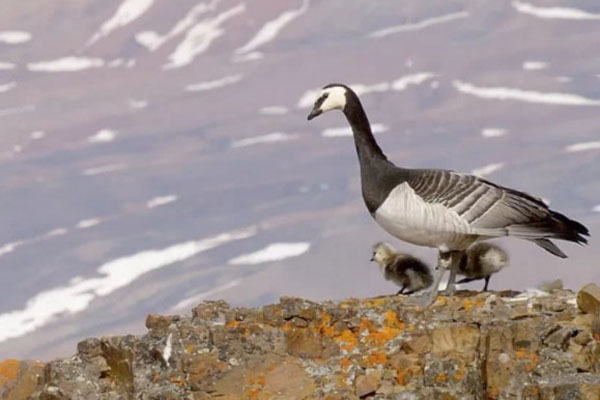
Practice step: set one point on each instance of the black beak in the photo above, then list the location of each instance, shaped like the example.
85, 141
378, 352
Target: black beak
372, 259
314, 113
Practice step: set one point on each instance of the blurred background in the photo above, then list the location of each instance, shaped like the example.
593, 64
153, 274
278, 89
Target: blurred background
156, 153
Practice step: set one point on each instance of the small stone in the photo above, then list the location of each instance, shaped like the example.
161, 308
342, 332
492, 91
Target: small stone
588, 298
303, 343
90, 348
559, 337
461, 339
157, 322
366, 385
420, 344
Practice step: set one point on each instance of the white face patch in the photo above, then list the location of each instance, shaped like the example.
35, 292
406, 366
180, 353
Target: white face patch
335, 100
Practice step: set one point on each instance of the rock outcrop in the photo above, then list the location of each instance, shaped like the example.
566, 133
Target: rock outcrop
502, 345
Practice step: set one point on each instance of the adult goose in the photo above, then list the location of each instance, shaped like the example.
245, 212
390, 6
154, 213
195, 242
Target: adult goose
439, 208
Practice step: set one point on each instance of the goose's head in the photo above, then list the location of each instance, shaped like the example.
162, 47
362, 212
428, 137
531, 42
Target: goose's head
331, 97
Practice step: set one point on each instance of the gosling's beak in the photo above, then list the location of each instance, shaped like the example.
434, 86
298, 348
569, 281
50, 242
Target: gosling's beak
372, 259
314, 113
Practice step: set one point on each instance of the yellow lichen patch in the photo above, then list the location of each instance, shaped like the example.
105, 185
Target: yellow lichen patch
232, 324
348, 339
441, 378
189, 348
467, 304
411, 327
378, 302
441, 301
392, 321
9, 370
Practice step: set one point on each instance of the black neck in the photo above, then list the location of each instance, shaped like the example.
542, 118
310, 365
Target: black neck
366, 146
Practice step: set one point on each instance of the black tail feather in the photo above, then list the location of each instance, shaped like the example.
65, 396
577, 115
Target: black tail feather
550, 247
568, 229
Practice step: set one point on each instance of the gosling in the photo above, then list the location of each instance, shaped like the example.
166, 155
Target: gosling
408, 272
481, 261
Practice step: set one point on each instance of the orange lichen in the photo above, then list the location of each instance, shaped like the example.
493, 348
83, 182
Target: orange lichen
366, 324
9, 370
252, 393
232, 324
381, 337
376, 358
392, 321
324, 328
345, 363
441, 377
530, 391
176, 380
287, 326
521, 354
155, 378
493, 393
401, 378
529, 367
459, 375
348, 338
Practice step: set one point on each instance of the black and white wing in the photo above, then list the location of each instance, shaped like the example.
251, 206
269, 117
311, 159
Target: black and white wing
493, 210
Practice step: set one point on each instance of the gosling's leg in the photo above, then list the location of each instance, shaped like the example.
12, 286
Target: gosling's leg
487, 281
400, 291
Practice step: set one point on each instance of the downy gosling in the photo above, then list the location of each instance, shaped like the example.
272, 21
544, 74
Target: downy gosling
408, 272
480, 261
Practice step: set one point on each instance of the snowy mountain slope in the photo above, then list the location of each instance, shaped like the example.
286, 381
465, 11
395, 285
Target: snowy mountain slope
146, 144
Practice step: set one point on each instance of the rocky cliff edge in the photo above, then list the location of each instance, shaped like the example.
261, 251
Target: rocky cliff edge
494, 345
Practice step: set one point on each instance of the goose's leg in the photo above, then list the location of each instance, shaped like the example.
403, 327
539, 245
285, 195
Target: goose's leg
455, 257
428, 296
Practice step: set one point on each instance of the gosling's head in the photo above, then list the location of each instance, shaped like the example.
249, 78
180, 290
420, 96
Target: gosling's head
331, 97
382, 253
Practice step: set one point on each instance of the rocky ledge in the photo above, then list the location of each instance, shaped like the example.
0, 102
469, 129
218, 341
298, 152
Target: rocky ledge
495, 345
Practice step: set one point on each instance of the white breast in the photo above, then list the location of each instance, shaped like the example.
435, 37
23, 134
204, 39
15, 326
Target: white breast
408, 217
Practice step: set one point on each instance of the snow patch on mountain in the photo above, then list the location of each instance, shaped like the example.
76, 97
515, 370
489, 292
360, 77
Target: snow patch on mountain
77, 295
528, 96
272, 28
200, 36
66, 64
128, 11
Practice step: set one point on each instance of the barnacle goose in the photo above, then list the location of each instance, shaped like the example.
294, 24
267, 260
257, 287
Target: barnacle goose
480, 261
408, 272
439, 208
